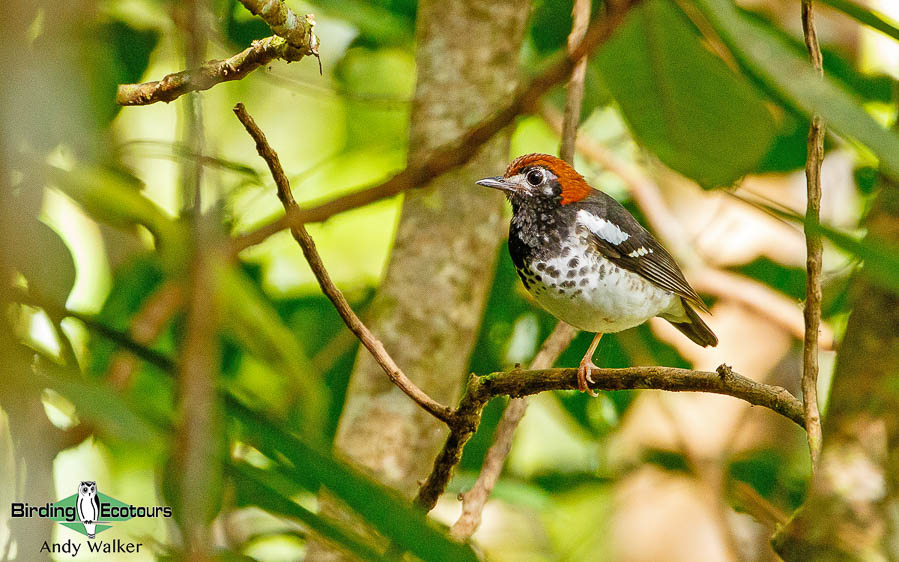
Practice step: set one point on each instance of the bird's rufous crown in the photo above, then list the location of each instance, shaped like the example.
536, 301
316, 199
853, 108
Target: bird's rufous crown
574, 186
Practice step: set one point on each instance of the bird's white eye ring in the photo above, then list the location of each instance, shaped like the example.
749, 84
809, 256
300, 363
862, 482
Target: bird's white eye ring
535, 177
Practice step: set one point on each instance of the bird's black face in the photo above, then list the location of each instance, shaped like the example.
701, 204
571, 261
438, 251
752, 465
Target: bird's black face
88, 487
532, 186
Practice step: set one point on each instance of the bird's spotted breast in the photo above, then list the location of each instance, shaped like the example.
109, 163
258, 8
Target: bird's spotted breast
577, 284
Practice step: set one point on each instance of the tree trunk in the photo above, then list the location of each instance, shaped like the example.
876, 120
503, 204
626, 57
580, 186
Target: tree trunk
852, 512
428, 308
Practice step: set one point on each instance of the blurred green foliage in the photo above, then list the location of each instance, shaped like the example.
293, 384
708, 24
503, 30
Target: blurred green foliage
286, 357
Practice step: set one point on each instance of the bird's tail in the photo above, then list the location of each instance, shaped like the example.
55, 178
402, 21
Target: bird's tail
694, 328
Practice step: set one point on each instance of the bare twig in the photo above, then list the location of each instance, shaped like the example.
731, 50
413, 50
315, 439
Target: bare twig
146, 326
473, 501
294, 39
368, 339
580, 17
453, 154
524, 383
298, 32
812, 310
210, 73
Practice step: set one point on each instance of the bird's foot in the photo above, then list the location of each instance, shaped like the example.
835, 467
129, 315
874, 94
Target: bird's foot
585, 375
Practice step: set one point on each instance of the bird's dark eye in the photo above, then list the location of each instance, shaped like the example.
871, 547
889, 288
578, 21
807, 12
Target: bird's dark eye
535, 177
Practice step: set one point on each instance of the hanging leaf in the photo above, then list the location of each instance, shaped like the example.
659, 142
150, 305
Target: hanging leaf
681, 101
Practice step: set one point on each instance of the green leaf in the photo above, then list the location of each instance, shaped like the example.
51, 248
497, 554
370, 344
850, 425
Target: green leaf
792, 78
681, 101
881, 257
380, 24
43, 259
255, 323
391, 515
268, 490
109, 412
866, 16
114, 198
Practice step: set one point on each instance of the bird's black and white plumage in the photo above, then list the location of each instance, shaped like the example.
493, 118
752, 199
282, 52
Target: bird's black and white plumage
586, 259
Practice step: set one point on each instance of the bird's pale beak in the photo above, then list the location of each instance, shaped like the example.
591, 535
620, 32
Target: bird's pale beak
497, 182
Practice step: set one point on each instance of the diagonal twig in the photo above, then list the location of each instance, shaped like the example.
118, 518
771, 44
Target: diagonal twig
473, 501
368, 339
284, 22
812, 311
580, 17
294, 39
207, 75
455, 153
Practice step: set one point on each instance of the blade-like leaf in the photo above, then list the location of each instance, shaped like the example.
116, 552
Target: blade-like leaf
113, 198
390, 514
793, 79
681, 101
881, 258
267, 492
256, 324
866, 16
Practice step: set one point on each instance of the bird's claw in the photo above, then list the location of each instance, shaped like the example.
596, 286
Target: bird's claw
585, 375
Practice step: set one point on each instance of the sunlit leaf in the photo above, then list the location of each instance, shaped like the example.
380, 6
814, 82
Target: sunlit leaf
266, 489
390, 514
111, 197
792, 78
255, 323
865, 15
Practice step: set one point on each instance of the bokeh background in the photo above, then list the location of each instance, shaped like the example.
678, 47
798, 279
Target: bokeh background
97, 216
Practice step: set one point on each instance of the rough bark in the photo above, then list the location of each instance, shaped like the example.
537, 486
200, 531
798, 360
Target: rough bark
852, 512
428, 308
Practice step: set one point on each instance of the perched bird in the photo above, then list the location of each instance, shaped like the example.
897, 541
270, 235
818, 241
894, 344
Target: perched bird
587, 260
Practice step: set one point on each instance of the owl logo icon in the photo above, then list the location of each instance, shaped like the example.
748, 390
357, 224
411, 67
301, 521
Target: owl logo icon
88, 507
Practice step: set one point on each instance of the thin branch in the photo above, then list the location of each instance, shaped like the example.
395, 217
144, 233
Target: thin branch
210, 73
812, 311
196, 449
474, 500
298, 32
453, 154
580, 17
294, 39
368, 339
516, 384
146, 326
721, 381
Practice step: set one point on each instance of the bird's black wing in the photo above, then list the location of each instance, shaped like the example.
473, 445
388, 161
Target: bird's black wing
617, 235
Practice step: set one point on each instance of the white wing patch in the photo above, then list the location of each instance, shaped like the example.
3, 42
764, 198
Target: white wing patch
639, 252
603, 228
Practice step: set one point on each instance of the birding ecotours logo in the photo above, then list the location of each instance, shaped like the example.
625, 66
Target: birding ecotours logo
88, 511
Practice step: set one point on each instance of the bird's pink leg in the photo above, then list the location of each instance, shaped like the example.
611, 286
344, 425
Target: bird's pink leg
584, 374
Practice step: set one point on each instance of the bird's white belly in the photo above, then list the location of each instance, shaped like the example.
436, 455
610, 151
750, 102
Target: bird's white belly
591, 293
